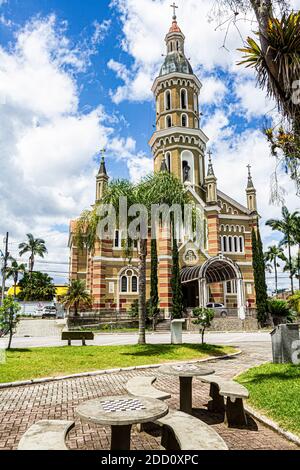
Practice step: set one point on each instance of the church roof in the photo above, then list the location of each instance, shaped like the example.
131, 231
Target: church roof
176, 62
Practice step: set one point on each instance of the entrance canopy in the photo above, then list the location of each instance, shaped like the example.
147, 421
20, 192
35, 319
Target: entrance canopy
217, 269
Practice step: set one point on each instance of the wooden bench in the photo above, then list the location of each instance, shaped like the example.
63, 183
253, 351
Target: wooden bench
70, 336
233, 410
46, 435
181, 431
142, 386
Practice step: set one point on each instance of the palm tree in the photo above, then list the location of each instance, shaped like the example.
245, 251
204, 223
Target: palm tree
13, 272
160, 188
76, 296
286, 225
272, 255
34, 246
296, 238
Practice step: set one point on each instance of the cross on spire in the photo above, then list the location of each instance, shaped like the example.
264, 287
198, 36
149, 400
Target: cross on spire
249, 170
209, 153
103, 152
174, 6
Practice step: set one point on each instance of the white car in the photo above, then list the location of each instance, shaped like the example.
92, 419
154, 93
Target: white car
49, 312
219, 309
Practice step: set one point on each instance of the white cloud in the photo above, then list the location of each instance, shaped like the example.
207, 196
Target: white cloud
47, 144
213, 90
253, 101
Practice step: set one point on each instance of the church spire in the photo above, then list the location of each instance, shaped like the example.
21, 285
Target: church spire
102, 178
250, 181
211, 182
251, 192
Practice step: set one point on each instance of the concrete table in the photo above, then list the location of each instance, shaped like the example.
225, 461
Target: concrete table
121, 412
185, 372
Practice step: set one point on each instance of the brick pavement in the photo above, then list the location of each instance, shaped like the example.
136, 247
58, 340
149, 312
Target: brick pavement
23, 406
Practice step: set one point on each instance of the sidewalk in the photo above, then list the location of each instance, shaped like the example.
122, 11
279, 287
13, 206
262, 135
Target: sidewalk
23, 406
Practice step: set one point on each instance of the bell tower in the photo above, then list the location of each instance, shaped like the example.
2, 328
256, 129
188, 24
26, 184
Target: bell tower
178, 144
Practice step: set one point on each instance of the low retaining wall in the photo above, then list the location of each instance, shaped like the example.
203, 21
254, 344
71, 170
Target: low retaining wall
228, 324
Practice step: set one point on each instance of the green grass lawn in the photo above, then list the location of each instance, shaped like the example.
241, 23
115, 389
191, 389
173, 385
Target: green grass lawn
26, 364
275, 391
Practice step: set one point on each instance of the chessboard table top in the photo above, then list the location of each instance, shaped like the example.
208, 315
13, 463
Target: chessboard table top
121, 410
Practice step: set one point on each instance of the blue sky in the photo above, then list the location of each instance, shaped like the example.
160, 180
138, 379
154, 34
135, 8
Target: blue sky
76, 77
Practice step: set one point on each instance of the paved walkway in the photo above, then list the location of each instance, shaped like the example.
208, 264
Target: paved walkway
21, 407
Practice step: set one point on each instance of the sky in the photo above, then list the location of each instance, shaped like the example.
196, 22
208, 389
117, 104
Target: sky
76, 77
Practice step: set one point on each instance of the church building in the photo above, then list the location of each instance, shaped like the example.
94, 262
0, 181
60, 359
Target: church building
218, 272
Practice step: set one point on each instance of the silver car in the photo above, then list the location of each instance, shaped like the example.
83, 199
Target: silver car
219, 309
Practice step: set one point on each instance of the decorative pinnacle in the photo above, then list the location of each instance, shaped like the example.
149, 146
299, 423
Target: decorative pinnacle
102, 169
250, 182
174, 6
210, 171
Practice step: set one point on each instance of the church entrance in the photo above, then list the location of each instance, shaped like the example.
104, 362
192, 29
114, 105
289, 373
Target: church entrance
197, 281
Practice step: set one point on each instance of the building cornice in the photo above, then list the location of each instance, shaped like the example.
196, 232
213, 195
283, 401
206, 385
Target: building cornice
176, 133
175, 77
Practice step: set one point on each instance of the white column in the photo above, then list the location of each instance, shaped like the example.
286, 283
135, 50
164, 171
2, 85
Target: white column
240, 299
202, 293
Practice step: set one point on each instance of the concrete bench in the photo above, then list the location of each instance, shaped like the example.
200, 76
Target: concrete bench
46, 435
83, 336
181, 431
142, 387
234, 393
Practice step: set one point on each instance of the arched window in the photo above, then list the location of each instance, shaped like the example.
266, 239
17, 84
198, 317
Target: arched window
242, 244
134, 284
196, 123
184, 100
236, 248
124, 284
168, 121
129, 281
168, 161
177, 45
195, 103
225, 244
168, 100
230, 244
184, 120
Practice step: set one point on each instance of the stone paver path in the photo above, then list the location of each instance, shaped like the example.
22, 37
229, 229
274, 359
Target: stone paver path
23, 406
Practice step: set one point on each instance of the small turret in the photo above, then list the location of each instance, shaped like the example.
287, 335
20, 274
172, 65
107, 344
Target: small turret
211, 183
101, 179
251, 193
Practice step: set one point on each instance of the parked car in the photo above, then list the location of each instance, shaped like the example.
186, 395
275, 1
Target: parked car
49, 312
38, 312
219, 309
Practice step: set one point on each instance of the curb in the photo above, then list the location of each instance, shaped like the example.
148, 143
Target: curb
273, 425
108, 371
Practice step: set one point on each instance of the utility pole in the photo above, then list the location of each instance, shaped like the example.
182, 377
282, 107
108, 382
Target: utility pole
5, 259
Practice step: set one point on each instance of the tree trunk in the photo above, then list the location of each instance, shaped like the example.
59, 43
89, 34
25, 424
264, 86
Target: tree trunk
202, 335
142, 292
276, 277
290, 266
76, 309
299, 265
31, 263
11, 329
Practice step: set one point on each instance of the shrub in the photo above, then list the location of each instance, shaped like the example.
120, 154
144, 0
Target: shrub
294, 302
278, 308
204, 317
